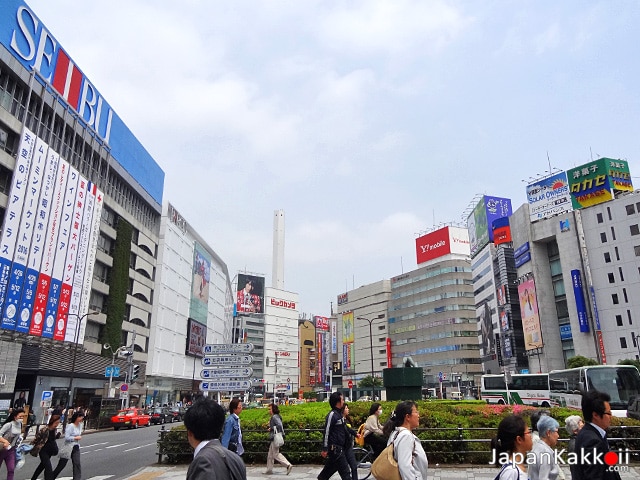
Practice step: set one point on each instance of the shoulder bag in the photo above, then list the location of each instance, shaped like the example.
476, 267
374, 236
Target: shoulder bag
278, 439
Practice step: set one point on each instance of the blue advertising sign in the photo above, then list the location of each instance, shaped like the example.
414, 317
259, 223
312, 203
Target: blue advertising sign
581, 307
565, 332
521, 249
522, 259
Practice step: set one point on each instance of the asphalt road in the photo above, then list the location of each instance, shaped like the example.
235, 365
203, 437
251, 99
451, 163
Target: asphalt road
105, 455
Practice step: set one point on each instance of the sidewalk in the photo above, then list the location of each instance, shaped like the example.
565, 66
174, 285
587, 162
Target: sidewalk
310, 472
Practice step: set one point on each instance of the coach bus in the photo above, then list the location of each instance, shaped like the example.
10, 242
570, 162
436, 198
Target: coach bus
621, 382
523, 389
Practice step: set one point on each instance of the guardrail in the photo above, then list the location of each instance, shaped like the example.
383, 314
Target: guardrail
459, 445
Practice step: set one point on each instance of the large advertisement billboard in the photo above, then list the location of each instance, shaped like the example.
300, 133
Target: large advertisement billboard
530, 316
196, 338
348, 337
200, 278
250, 296
481, 218
548, 197
28, 40
442, 242
594, 182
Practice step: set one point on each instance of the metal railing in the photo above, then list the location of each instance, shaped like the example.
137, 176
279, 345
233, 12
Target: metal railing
461, 445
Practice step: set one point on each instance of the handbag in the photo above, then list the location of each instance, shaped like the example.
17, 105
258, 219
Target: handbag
278, 439
65, 451
385, 466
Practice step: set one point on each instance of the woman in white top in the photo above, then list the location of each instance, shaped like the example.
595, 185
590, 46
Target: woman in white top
510, 448
373, 434
407, 448
545, 466
10, 435
72, 437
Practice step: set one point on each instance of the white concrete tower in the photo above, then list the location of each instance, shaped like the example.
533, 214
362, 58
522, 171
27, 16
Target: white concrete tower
277, 274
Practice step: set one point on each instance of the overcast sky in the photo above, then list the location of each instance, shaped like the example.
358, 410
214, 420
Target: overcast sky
366, 121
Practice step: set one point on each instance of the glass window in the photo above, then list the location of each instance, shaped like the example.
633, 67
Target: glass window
599, 217
603, 237
614, 299
611, 278
619, 320
630, 209
634, 229
558, 288
623, 342
607, 257
556, 267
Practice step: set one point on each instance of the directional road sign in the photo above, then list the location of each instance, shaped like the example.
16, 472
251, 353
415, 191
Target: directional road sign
227, 372
227, 361
225, 385
112, 371
227, 348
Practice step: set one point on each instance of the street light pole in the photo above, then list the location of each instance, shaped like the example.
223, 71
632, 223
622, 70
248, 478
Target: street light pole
373, 383
75, 354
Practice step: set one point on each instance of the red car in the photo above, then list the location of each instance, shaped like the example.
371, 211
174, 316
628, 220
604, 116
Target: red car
130, 418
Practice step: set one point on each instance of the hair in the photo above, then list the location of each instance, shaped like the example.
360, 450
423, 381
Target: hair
509, 429
233, 404
547, 424
572, 424
593, 402
274, 408
535, 418
14, 413
204, 419
76, 415
397, 417
53, 419
334, 399
374, 408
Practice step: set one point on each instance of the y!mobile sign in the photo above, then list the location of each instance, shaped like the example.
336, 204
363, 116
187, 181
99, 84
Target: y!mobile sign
442, 242
25, 36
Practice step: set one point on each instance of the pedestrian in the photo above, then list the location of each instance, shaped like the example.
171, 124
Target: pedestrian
48, 450
573, 425
10, 436
407, 448
351, 435
72, 437
232, 434
203, 421
275, 422
535, 417
545, 466
510, 447
373, 434
591, 441
334, 441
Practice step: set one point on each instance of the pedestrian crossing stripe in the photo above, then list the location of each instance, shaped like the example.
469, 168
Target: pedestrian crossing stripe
97, 477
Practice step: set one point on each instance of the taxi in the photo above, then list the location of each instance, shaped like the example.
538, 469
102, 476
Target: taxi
130, 418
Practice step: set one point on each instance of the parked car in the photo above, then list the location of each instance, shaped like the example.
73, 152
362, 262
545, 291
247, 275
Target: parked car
178, 413
130, 418
161, 415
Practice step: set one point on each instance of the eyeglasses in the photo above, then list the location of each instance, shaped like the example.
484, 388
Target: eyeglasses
528, 432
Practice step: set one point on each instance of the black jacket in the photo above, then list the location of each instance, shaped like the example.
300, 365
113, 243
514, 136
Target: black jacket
589, 440
335, 431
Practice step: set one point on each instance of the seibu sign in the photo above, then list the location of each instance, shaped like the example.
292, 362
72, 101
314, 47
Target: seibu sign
442, 242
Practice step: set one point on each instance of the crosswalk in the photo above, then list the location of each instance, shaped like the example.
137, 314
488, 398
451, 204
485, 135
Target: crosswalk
97, 477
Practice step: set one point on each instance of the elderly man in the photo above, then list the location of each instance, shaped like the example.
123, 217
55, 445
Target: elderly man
211, 461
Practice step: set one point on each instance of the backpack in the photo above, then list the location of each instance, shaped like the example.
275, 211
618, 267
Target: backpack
39, 440
360, 439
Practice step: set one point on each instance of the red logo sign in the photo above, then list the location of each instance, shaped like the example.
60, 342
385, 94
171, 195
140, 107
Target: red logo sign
433, 245
350, 384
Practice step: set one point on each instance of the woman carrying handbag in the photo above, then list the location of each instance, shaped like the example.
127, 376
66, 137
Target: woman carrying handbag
71, 447
276, 427
48, 450
10, 436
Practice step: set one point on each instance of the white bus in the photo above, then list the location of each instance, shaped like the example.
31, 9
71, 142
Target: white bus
523, 389
622, 382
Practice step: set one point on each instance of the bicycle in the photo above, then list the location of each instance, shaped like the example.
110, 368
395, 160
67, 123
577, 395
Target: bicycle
364, 457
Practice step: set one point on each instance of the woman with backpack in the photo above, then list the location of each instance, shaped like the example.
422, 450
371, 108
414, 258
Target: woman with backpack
10, 435
46, 439
274, 455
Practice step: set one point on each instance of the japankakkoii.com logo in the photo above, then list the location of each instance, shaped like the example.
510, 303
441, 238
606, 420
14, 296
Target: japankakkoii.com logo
615, 461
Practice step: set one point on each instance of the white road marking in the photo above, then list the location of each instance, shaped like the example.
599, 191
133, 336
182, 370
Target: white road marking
141, 446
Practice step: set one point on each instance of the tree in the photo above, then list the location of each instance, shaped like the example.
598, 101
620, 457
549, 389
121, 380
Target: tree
628, 361
368, 382
580, 361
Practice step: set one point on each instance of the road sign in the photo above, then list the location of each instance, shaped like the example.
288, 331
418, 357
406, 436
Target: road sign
227, 348
226, 385
350, 384
124, 394
124, 387
111, 371
47, 395
226, 372
227, 361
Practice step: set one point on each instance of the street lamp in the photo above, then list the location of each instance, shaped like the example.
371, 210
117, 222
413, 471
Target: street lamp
120, 349
75, 354
373, 383
538, 350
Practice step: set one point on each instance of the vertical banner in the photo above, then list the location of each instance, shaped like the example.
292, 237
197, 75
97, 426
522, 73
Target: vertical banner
348, 337
12, 216
530, 317
581, 306
10, 312
334, 337
38, 243
201, 276
49, 252
62, 317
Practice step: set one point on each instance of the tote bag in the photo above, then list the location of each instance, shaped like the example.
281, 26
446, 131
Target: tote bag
278, 439
385, 466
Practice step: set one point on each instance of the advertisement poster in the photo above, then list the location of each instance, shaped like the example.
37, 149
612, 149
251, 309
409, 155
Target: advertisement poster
250, 296
530, 317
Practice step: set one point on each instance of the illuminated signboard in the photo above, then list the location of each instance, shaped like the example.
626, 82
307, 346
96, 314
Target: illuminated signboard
594, 182
484, 213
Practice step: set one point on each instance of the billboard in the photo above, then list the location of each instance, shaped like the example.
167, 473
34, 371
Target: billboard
28, 40
501, 231
250, 295
530, 316
196, 338
481, 218
442, 242
581, 304
200, 278
594, 182
322, 323
548, 197
348, 337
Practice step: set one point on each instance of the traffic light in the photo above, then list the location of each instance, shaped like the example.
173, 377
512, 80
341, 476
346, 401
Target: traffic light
135, 371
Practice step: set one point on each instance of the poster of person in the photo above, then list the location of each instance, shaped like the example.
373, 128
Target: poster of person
486, 330
250, 295
201, 276
530, 317
20, 399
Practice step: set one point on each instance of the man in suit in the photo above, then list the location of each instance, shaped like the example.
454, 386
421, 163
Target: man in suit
211, 461
591, 442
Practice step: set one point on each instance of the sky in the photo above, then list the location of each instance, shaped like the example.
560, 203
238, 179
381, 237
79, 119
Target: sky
367, 122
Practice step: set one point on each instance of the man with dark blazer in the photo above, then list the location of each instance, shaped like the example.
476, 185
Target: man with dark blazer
591, 442
211, 461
